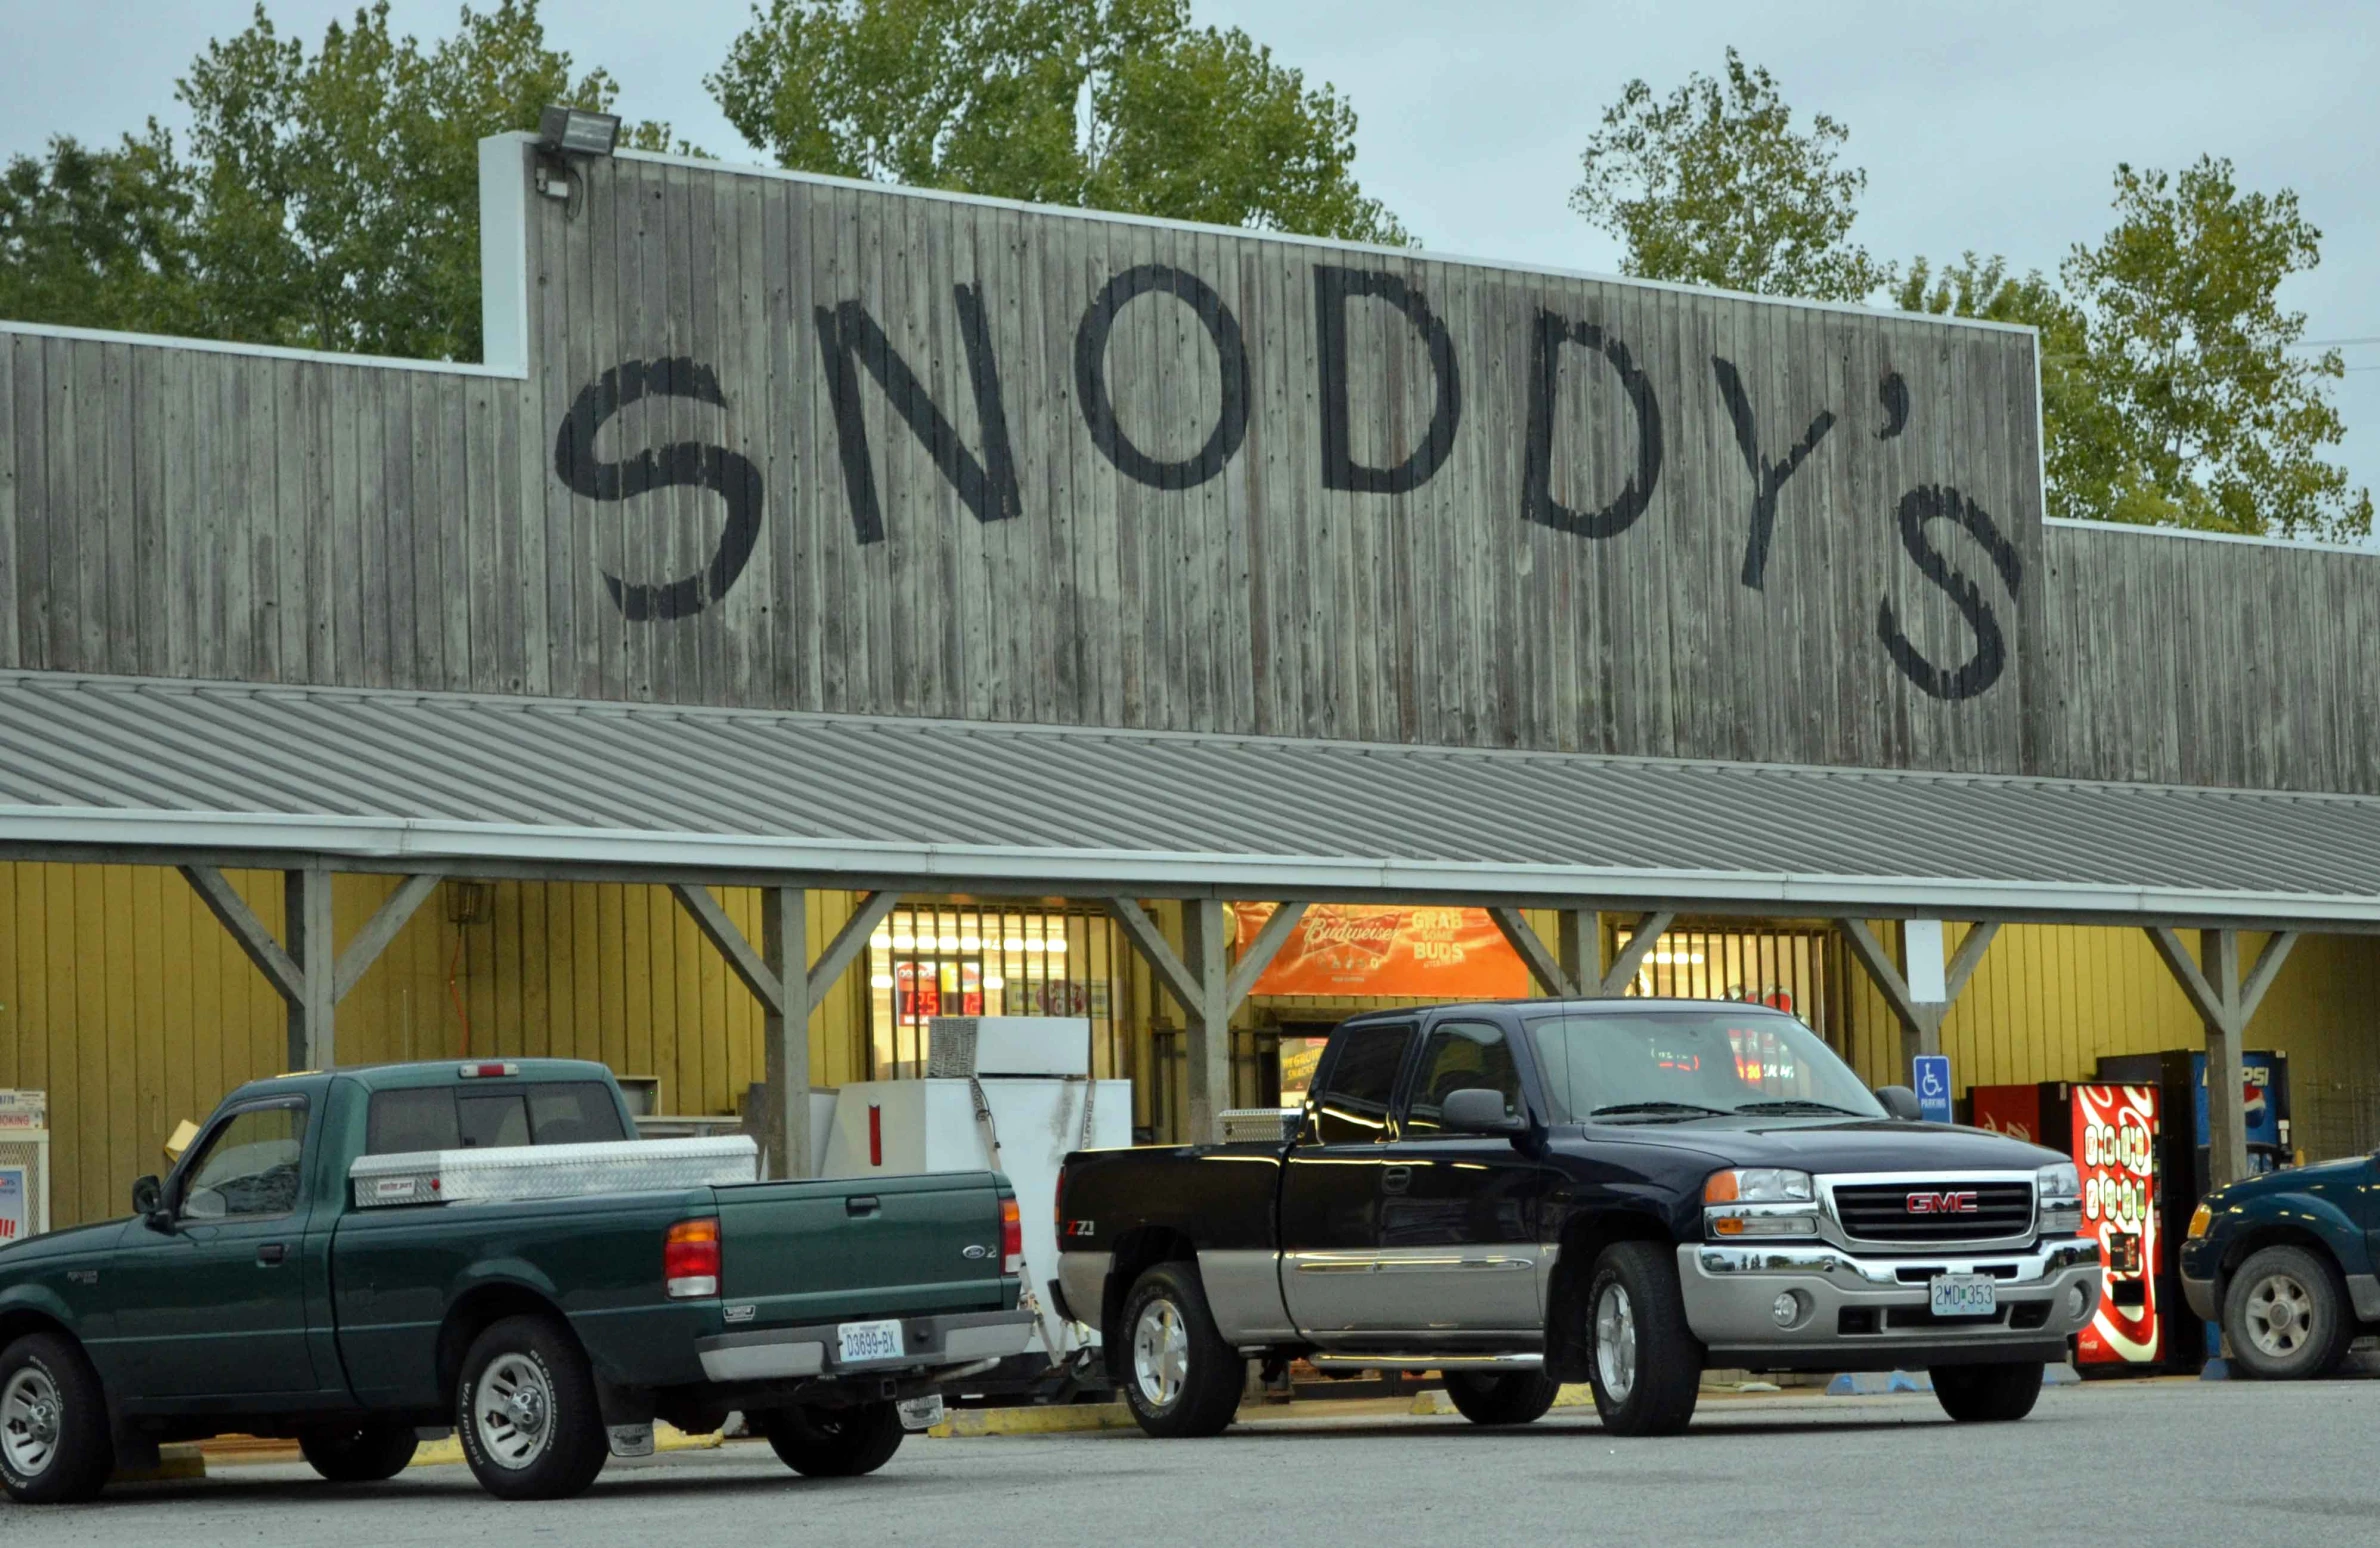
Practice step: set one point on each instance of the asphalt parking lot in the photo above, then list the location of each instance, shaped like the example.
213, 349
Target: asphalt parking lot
2162, 1462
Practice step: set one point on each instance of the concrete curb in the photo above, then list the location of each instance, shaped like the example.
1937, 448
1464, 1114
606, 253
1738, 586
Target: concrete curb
1040, 1419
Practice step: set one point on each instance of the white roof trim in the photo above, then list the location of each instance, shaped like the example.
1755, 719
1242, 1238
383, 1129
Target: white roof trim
1251, 875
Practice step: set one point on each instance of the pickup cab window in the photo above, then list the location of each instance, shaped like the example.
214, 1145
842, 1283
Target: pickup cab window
562, 1112
1351, 1108
1461, 1055
249, 1167
1651, 1065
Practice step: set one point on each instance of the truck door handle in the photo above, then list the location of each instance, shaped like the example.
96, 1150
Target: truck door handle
862, 1204
1395, 1179
271, 1253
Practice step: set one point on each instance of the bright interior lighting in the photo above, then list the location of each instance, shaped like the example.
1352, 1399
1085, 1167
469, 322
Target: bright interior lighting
881, 941
970, 943
1014, 943
1032, 945
904, 943
1055, 947
950, 943
994, 981
880, 980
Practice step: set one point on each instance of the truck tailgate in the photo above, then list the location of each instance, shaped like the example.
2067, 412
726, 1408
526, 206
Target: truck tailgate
809, 1252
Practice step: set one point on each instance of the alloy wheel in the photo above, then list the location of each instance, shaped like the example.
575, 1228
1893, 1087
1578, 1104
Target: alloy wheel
512, 1408
29, 1421
1160, 1353
1615, 1342
2279, 1314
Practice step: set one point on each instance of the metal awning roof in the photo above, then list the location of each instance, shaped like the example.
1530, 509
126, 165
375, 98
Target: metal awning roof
151, 770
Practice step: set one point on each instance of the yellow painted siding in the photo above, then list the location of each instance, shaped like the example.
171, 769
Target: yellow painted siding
123, 999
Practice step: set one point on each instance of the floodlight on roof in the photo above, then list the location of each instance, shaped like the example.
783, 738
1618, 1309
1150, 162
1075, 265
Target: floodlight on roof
577, 132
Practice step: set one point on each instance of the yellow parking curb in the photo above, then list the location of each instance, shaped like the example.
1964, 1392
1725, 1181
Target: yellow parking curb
1576, 1394
1040, 1419
666, 1437
175, 1462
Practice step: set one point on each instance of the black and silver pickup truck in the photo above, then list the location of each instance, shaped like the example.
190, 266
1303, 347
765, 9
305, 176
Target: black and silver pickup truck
1618, 1191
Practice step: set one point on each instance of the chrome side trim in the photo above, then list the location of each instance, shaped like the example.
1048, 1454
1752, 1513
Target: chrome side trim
1439, 1262
1434, 1362
1328, 1262
1244, 1294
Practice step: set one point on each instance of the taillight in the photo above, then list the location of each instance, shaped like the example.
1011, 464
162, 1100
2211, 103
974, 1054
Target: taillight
477, 1071
1012, 1238
690, 1259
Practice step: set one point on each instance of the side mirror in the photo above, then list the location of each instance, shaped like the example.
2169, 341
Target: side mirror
1900, 1102
148, 1201
1477, 1110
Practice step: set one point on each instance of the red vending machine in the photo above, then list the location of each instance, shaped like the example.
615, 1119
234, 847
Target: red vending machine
2114, 1133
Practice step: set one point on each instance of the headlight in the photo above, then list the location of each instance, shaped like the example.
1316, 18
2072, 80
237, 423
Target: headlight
2200, 1219
1759, 1185
1760, 1201
2059, 1190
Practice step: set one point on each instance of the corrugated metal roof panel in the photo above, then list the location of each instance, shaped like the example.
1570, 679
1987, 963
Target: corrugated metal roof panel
541, 779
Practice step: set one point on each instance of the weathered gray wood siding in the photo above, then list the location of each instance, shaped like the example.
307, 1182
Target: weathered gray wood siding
204, 513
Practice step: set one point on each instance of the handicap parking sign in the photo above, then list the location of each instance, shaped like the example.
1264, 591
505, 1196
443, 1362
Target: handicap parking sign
1933, 1087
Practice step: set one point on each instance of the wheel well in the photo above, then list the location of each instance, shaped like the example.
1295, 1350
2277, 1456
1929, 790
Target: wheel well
16, 1324
1136, 1252
477, 1311
1583, 1241
2263, 1236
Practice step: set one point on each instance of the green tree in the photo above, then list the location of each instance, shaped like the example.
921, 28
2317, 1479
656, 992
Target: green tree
1714, 185
326, 199
1107, 104
2224, 425
98, 238
2084, 458
2171, 391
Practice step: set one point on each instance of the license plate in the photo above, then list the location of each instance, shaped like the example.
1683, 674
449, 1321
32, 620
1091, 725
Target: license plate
1965, 1295
921, 1413
859, 1341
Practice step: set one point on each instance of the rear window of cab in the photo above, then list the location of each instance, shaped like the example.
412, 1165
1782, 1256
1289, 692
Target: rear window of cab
561, 1112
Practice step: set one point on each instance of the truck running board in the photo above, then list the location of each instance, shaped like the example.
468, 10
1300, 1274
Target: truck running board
1436, 1362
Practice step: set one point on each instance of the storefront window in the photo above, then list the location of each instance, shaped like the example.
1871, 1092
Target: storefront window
1783, 969
966, 961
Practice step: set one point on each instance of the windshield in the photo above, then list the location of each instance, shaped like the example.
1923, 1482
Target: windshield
1677, 1063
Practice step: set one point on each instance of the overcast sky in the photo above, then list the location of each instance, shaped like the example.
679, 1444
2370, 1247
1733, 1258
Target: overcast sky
1986, 127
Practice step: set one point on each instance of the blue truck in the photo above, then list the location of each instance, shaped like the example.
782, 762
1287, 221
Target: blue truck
2289, 1264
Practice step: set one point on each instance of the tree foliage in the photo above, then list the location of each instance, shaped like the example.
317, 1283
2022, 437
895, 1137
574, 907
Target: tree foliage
1107, 104
1715, 185
2172, 392
325, 198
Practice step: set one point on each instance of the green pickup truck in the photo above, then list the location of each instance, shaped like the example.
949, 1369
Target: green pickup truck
348, 1258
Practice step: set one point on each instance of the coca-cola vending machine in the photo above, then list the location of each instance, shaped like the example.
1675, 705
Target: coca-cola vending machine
2114, 1130
2111, 1131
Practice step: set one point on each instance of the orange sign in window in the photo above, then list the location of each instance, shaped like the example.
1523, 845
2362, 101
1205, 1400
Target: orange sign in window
1422, 953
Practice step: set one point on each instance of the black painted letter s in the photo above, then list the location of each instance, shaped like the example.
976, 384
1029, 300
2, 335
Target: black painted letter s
1928, 503
728, 474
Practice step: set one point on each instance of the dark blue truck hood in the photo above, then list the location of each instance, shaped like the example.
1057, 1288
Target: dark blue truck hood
1838, 1145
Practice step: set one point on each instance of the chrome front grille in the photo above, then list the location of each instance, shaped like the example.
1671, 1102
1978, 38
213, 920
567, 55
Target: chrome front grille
1931, 1211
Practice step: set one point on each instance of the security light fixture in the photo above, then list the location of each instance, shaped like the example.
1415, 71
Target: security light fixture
573, 131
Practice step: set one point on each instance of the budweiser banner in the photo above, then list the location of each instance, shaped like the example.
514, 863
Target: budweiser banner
1415, 953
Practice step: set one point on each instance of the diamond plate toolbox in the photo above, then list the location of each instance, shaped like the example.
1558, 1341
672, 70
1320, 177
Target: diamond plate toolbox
504, 1173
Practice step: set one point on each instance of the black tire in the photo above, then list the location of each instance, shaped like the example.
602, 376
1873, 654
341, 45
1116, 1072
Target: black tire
1988, 1394
834, 1442
55, 1448
361, 1453
1647, 1380
1519, 1398
2286, 1315
1186, 1381
544, 1436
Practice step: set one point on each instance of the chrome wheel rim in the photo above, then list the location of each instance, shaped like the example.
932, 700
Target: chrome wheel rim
512, 1409
1615, 1343
29, 1421
2279, 1314
1160, 1353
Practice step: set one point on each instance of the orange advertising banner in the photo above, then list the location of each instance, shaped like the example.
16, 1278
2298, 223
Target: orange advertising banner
1417, 953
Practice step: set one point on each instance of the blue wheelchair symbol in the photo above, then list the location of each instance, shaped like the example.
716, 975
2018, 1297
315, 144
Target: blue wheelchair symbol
1933, 1087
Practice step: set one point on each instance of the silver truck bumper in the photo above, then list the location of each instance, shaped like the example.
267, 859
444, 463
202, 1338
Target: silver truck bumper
1731, 1295
779, 1354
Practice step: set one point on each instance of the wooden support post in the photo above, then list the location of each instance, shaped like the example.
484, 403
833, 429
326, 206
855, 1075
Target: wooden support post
1578, 945
381, 929
306, 907
2225, 1003
785, 1029
1631, 958
1921, 1020
1543, 965
1208, 1033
